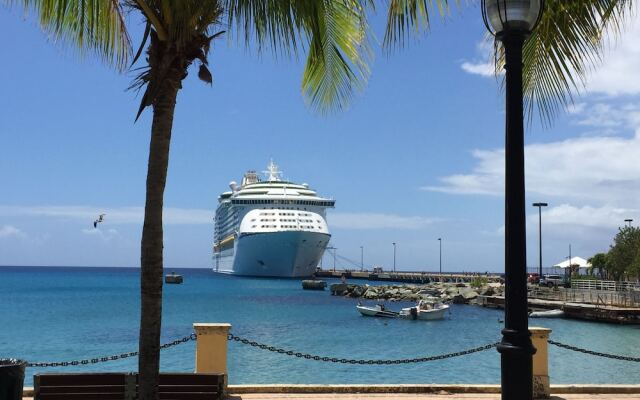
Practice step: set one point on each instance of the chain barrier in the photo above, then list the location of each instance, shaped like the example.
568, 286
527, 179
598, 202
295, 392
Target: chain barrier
307, 356
97, 360
593, 353
356, 361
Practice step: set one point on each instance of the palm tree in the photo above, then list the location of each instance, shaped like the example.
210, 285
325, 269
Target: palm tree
179, 34
558, 55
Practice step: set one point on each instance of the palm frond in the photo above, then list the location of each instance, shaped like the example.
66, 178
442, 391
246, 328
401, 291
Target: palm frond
91, 25
333, 31
405, 17
337, 63
559, 54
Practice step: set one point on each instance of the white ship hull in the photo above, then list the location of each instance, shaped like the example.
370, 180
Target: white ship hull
286, 254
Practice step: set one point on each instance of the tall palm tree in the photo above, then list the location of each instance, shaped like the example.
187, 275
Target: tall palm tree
179, 34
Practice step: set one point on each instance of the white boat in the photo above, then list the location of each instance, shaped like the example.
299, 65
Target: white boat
376, 311
424, 311
270, 228
547, 314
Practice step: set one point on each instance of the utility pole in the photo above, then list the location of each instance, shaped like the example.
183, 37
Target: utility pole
440, 241
540, 205
361, 258
394, 256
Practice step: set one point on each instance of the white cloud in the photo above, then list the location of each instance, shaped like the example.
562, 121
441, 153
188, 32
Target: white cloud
618, 74
480, 68
11, 231
378, 221
597, 217
484, 64
600, 169
121, 215
106, 234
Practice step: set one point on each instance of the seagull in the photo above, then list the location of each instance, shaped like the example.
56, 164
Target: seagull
97, 221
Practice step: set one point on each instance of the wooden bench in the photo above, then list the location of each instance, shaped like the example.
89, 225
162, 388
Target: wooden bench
124, 386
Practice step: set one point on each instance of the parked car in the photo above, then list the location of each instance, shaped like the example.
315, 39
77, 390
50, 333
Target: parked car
533, 278
552, 280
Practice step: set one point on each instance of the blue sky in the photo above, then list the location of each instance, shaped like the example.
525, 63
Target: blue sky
417, 156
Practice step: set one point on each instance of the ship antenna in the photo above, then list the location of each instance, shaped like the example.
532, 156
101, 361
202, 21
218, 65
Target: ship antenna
272, 172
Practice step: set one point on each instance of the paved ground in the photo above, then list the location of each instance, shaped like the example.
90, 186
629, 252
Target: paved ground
466, 396
376, 396
380, 396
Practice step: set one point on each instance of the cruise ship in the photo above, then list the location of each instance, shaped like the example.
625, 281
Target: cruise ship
270, 228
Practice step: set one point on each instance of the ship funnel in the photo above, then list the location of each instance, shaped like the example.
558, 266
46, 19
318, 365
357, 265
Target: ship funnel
233, 185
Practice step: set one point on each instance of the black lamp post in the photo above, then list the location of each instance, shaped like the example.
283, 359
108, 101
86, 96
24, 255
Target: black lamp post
511, 21
628, 221
540, 205
361, 258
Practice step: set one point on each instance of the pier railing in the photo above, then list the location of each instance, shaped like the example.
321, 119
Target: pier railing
588, 296
614, 286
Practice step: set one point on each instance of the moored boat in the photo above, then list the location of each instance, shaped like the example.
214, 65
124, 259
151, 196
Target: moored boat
557, 313
376, 311
173, 278
424, 311
313, 284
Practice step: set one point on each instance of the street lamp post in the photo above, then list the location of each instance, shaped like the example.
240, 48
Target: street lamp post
511, 22
440, 241
628, 221
361, 258
394, 256
540, 205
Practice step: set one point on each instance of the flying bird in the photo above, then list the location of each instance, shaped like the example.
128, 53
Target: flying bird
97, 221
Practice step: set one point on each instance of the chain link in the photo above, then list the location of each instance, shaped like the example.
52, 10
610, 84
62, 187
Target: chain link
97, 360
356, 361
593, 353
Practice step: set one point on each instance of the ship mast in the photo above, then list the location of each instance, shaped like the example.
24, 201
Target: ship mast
272, 172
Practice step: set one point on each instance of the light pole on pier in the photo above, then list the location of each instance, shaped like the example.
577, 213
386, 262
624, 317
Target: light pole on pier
361, 258
540, 205
440, 241
628, 221
394, 256
511, 22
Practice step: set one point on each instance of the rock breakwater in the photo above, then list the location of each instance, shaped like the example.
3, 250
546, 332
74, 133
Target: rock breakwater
457, 293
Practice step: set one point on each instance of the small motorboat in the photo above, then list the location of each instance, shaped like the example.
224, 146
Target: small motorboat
173, 278
557, 313
424, 311
313, 284
376, 311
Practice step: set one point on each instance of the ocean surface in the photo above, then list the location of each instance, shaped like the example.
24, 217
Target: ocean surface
62, 314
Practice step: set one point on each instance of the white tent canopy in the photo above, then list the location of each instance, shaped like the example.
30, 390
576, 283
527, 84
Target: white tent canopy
575, 262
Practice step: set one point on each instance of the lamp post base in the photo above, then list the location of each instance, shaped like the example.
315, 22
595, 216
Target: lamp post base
516, 364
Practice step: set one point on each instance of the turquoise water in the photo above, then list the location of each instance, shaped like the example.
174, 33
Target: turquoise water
60, 314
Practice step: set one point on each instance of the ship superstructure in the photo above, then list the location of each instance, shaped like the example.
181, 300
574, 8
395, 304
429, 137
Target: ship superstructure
270, 227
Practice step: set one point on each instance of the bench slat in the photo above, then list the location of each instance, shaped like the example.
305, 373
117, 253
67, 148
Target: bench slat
82, 389
190, 379
188, 388
188, 396
82, 396
73, 379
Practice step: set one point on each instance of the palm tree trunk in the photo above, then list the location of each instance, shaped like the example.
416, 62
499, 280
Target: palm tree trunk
152, 242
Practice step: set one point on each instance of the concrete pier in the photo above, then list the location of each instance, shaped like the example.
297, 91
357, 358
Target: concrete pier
594, 312
408, 276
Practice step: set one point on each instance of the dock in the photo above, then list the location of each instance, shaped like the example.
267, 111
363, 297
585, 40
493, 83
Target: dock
408, 276
584, 311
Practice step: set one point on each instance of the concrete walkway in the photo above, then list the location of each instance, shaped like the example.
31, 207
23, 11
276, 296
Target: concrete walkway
402, 396
391, 396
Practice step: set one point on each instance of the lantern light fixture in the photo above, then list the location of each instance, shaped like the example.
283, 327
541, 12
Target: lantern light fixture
502, 17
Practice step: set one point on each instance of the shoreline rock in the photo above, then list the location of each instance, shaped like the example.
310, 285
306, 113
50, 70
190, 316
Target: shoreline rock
457, 293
